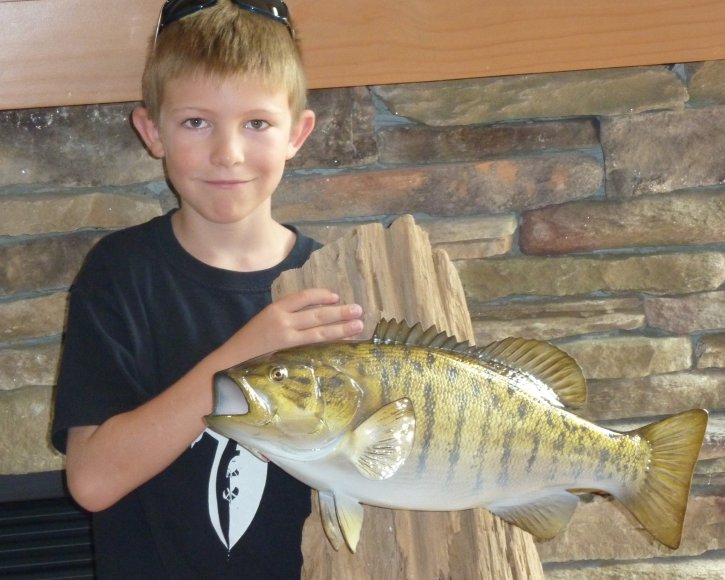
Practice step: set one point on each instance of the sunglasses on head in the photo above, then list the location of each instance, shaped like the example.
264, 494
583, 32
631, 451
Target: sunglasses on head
174, 10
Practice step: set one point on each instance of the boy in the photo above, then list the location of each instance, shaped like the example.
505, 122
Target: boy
158, 308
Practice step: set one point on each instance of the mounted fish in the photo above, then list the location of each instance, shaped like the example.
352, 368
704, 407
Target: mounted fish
414, 420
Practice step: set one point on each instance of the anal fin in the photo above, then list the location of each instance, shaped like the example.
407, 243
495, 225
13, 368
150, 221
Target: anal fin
544, 516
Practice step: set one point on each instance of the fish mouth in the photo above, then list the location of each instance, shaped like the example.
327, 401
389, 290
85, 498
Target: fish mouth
235, 397
229, 398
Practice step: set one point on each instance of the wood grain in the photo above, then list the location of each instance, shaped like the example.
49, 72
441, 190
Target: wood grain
62, 52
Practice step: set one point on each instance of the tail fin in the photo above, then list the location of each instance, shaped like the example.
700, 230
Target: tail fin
661, 502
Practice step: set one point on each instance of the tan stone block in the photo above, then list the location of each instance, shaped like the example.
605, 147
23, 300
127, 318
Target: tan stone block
706, 81
73, 146
663, 152
580, 93
630, 356
42, 264
29, 366
465, 229
663, 274
666, 220
417, 144
602, 529
33, 317
496, 186
648, 396
24, 432
472, 237
695, 568
43, 214
344, 134
551, 320
710, 473
687, 314
710, 351
713, 448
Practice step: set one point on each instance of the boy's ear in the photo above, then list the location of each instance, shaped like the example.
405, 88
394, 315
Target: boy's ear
300, 132
147, 130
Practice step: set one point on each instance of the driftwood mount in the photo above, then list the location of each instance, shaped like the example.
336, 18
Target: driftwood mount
394, 273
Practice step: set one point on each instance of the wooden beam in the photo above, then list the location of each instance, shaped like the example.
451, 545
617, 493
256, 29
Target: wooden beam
349, 42
67, 52
60, 52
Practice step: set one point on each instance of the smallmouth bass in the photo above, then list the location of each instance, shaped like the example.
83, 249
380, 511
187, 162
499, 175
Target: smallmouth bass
413, 419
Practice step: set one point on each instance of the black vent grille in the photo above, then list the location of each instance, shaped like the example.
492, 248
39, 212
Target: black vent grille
45, 538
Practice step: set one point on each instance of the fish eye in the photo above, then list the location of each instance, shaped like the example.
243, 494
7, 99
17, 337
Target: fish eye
278, 374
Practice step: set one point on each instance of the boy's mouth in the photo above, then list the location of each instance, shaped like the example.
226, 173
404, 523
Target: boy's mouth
227, 183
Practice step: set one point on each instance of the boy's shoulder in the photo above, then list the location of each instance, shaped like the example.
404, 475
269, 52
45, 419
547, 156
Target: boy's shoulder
125, 249
136, 241
132, 236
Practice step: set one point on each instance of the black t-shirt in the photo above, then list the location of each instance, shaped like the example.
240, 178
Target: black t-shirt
142, 313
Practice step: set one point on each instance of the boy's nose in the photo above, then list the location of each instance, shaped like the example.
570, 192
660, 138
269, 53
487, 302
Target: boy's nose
228, 150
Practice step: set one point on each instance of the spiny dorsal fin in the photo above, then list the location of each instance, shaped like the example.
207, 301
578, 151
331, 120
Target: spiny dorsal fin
551, 365
394, 332
560, 379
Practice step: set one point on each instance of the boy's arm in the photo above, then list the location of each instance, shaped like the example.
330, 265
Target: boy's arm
106, 462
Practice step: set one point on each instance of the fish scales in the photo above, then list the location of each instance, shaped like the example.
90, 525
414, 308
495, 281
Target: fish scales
503, 460
456, 410
414, 420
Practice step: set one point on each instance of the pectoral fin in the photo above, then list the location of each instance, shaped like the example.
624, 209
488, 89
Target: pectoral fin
382, 443
544, 517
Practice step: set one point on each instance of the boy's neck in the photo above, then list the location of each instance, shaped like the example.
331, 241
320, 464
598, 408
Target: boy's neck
248, 246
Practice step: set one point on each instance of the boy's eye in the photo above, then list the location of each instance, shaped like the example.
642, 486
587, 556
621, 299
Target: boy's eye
257, 124
195, 123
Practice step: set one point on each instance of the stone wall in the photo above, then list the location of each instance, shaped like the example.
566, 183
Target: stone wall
582, 208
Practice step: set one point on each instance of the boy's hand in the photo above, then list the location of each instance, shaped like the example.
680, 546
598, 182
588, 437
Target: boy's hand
305, 317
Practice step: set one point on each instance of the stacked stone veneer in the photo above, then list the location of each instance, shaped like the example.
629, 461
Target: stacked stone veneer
584, 208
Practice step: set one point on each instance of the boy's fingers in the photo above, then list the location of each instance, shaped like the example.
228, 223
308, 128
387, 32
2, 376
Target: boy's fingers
335, 331
308, 297
327, 315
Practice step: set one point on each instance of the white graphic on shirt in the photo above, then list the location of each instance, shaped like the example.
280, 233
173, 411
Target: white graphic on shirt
246, 476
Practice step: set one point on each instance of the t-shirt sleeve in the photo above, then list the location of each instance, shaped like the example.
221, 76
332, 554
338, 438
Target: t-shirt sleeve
97, 375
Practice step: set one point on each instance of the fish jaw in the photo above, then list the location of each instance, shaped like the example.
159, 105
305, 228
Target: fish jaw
235, 397
247, 412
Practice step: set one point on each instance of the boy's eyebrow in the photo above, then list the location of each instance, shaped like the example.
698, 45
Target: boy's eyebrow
189, 109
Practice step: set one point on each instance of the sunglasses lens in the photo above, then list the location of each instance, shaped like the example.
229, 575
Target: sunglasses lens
275, 9
175, 10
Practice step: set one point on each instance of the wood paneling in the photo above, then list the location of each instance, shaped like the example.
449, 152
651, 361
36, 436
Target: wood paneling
57, 52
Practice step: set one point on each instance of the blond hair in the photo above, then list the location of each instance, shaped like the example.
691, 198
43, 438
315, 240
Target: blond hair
221, 42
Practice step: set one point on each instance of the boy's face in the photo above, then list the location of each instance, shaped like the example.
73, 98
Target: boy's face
225, 144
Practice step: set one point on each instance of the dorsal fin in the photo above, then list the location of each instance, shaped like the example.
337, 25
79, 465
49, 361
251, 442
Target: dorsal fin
559, 379
395, 332
545, 362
